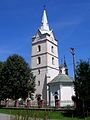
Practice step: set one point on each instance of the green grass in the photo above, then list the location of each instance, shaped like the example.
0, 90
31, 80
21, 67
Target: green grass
55, 115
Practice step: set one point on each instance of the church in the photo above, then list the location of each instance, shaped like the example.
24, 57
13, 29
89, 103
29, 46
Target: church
51, 78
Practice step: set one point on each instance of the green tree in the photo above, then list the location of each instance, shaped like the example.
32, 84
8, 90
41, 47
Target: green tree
1, 88
17, 78
82, 84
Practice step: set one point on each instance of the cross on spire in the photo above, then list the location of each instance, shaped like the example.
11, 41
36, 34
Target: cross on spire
44, 7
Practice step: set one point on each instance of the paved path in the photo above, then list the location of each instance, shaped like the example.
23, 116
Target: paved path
4, 117
7, 117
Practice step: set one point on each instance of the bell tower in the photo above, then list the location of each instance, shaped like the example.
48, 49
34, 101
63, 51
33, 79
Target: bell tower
44, 59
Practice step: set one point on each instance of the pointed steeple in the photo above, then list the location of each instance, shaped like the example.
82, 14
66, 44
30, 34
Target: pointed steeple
44, 25
65, 65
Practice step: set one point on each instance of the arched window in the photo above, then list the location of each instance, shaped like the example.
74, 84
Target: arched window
53, 60
56, 96
38, 60
60, 71
38, 71
38, 48
52, 49
38, 83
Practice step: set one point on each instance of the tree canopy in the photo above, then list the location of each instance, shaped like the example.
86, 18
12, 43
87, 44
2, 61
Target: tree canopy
1, 90
17, 78
82, 85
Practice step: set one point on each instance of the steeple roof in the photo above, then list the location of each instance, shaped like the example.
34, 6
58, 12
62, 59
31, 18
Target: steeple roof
65, 64
61, 78
44, 26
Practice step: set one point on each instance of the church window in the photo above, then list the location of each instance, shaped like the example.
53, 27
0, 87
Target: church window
38, 83
53, 60
52, 38
38, 60
38, 71
38, 48
60, 71
52, 49
56, 96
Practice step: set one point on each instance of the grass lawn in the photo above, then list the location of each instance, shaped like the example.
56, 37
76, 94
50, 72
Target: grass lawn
55, 115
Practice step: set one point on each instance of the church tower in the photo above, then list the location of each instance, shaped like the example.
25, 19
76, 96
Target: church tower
44, 59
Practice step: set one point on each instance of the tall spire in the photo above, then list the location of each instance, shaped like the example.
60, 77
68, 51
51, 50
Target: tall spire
45, 25
65, 65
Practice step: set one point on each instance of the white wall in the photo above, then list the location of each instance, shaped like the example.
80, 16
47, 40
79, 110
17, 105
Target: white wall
53, 89
43, 48
51, 74
55, 49
66, 95
39, 77
48, 70
43, 61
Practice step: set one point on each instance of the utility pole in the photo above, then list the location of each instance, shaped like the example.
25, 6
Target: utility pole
72, 50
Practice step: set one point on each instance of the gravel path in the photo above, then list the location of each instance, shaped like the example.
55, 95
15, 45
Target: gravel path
7, 117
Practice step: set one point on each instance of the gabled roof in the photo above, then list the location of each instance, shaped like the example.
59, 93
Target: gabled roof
62, 78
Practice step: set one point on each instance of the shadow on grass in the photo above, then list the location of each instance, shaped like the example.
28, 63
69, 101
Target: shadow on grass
69, 113
73, 114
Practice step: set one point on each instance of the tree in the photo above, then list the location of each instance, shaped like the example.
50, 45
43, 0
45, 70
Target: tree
82, 84
17, 78
1, 90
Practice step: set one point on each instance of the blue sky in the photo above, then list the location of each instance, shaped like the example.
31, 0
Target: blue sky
69, 19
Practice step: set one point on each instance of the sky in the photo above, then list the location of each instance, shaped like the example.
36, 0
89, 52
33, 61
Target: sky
69, 19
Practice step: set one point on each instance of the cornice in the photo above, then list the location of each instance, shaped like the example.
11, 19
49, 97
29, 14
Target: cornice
40, 54
42, 41
45, 67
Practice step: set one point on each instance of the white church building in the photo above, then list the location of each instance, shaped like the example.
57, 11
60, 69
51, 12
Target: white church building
45, 66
